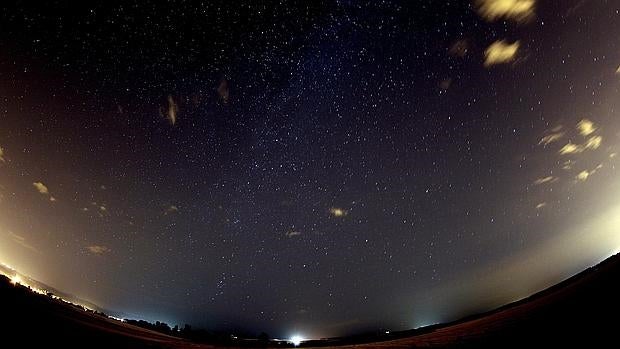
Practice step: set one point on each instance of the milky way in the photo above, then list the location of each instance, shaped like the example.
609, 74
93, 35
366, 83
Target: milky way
308, 168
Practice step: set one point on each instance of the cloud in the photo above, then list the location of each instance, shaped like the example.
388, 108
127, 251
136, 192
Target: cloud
2, 155
223, 91
20, 240
98, 249
586, 174
516, 10
41, 188
583, 175
571, 148
618, 70
500, 52
292, 233
586, 127
541, 205
445, 84
52, 199
550, 138
338, 212
459, 48
592, 143
568, 165
171, 209
173, 110
548, 179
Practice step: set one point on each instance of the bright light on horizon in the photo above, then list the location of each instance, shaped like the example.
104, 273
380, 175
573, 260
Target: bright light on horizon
16, 279
296, 340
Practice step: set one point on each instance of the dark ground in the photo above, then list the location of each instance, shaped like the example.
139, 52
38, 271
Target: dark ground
583, 311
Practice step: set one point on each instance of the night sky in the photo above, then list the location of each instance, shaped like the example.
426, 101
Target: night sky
308, 167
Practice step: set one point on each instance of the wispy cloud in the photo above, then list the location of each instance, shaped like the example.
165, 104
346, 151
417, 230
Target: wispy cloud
98, 249
292, 233
445, 84
20, 240
548, 179
171, 209
173, 110
223, 91
551, 138
460, 48
568, 164
41, 188
516, 10
500, 52
541, 205
2, 155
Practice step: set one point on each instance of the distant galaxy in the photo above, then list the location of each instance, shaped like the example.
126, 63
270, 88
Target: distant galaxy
308, 169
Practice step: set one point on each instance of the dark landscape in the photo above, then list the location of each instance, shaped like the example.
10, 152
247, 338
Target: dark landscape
315, 174
581, 311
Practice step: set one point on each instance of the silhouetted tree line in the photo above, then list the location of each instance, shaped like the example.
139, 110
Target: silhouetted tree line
200, 335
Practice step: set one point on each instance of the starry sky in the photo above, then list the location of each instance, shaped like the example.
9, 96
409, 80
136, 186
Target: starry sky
308, 167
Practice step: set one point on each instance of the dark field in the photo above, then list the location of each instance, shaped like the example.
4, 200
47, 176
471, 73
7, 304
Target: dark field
580, 312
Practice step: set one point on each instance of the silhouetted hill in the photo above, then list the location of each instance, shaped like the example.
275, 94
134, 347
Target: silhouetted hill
579, 312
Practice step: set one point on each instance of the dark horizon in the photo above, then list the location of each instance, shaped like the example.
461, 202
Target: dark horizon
308, 169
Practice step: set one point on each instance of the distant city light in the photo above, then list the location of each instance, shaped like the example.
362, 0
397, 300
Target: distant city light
16, 280
296, 340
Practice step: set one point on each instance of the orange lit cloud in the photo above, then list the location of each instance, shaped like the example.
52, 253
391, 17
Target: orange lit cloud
41, 188
516, 10
548, 179
500, 52
586, 174
586, 127
592, 143
98, 249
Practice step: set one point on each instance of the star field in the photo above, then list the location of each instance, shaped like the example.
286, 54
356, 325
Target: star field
312, 168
